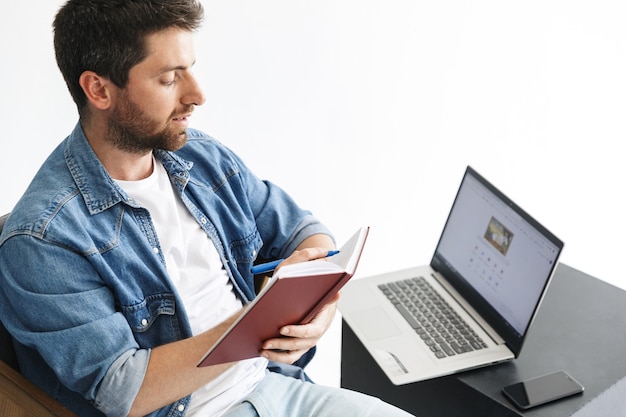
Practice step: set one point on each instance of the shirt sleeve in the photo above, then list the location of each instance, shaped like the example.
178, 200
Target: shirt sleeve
122, 382
53, 301
282, 223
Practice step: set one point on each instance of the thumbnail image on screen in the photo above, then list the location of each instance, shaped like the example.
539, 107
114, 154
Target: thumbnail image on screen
498, 235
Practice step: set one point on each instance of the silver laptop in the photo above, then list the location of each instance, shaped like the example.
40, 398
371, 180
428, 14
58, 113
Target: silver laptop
475, 302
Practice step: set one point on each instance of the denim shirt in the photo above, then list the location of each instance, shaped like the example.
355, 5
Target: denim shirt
83, 284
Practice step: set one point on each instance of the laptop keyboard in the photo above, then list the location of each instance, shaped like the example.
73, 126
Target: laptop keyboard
438, 325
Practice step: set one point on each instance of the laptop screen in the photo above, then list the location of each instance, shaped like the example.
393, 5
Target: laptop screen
497, 256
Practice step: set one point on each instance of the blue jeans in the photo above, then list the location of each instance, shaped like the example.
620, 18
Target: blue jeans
279, 395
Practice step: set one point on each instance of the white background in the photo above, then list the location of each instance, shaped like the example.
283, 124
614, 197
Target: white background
368, 112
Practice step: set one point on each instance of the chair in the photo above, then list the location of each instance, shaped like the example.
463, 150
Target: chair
18, 396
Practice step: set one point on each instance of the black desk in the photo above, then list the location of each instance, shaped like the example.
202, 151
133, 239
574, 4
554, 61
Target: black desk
580, 328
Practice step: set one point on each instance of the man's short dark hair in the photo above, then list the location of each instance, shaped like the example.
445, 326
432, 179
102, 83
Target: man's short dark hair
108, 36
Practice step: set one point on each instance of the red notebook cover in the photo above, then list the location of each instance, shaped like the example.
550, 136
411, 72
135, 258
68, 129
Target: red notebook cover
293, 296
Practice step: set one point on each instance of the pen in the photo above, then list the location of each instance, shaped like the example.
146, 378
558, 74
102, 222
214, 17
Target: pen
270, 266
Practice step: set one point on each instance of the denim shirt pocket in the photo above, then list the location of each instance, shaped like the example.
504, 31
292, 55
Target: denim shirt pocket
244, 252
153, 320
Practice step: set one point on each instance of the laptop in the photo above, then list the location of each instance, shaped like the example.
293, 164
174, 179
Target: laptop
483, 287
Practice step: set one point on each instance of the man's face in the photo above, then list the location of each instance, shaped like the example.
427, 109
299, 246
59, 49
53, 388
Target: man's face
153, 110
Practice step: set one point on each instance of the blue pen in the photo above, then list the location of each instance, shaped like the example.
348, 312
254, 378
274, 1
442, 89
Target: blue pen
270, 266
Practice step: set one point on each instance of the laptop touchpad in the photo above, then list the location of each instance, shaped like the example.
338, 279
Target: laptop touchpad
375, 323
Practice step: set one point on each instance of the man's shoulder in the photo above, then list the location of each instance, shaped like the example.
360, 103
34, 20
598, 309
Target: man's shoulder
51, 188
201, 145
198, 137
34, 212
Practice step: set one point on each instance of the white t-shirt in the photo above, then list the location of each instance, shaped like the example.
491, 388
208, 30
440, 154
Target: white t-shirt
196, 270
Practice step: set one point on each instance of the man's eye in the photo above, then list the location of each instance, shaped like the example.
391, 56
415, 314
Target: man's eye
168, 82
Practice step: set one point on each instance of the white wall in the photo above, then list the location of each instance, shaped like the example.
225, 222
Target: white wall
362, 108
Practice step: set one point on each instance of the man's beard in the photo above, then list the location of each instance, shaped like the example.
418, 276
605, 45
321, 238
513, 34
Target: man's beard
130, 130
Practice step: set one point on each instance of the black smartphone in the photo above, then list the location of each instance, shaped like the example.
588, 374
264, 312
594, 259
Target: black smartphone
542, 389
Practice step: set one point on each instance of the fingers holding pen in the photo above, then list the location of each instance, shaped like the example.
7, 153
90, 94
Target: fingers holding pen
306, 254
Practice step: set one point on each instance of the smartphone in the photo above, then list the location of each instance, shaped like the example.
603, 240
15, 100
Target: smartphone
542, 389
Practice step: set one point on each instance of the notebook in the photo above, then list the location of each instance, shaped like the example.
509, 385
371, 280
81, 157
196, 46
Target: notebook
489, 273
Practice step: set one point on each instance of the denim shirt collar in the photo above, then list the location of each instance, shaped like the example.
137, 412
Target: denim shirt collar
98, 189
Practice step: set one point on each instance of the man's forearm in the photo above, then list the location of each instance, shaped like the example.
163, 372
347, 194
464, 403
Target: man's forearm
319, 240
173, 373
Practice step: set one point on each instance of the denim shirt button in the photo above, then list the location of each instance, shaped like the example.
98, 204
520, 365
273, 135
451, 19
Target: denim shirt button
181, 408
155, 250
203, 220
144, 322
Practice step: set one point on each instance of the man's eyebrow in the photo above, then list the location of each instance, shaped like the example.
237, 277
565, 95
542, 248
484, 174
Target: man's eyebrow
170, 68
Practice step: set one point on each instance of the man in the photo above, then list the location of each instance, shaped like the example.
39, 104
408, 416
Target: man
130, 252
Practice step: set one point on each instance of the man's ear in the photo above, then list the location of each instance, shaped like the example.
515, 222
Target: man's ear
97, 89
